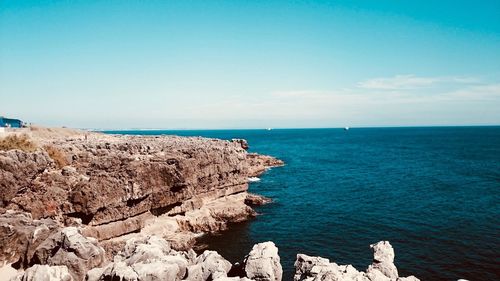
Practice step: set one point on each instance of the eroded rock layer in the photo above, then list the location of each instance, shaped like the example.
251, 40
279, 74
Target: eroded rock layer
110, 178
89, 206
115, 187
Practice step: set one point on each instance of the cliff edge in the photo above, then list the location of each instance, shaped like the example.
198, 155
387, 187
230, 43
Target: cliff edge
80, 205
112, 187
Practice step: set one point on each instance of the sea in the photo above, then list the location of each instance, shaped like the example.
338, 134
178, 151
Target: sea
433, 192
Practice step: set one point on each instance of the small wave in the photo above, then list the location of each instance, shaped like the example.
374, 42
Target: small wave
253, 179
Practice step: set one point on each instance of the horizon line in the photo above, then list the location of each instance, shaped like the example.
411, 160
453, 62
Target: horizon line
284, 128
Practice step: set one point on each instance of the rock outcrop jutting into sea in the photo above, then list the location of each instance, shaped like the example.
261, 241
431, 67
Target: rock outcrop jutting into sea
112, 185
90, 206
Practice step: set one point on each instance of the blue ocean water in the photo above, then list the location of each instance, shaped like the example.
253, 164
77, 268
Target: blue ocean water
433, 192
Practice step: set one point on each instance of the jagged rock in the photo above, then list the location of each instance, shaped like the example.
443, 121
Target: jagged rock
316, 268
263, 263
242, 142
20, 236
259, 163
145, 258
383, 259
70, 248
215, 215
257, 200
45, 273
209, 266
157, 271
151, 258
304, 264
17, 169
26, 242
95, 274
112, 180
382, 252
116, 271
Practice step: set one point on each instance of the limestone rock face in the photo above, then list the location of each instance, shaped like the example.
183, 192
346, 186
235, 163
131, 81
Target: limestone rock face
68, 254
383, 252
263, 263
383, 259
70, 248
26, 242
304, 266
44, 273
209, 266
115, 188
317, 268
145, 258
20, 236
151, 258
112, 179
17, 169
213, 216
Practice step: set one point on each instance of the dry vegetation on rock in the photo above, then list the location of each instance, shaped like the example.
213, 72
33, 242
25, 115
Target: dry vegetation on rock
57, 155
21, 142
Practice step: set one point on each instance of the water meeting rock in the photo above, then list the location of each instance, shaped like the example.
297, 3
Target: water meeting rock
108, 207
263, 263
382, 269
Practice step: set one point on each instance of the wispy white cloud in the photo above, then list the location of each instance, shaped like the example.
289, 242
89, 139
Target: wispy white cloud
454, 102
410, 82
474, 93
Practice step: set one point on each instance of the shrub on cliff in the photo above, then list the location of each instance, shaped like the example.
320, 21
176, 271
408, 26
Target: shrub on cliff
21, 142
58, 156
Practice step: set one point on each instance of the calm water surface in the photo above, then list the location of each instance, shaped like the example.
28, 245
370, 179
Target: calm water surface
434, 193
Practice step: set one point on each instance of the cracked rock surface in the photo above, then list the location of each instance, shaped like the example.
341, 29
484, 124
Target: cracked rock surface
91, 206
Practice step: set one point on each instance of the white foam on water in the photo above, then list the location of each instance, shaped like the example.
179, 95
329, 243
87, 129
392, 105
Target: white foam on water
253, 179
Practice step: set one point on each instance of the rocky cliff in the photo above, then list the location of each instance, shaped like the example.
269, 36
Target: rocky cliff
87, 206
112, 187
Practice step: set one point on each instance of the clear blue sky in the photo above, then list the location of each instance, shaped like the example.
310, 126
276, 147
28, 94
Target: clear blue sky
250, 64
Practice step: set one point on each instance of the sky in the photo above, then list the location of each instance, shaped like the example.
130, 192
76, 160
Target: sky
250, 64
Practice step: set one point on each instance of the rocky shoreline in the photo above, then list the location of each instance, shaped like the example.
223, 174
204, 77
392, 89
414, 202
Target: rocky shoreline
89, 206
